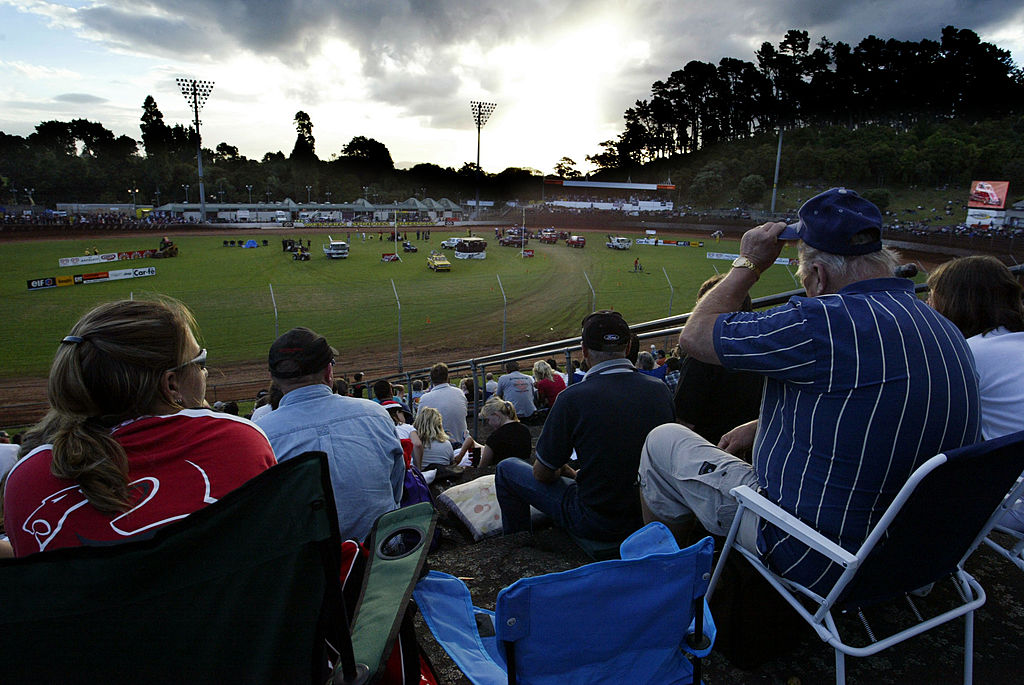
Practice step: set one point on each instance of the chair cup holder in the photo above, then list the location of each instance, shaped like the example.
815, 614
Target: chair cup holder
400, 543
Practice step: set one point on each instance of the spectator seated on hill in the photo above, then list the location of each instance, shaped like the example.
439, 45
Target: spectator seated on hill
852, 403
673, 366
128, 444
517, 388
268, 403
983, 299
412, 448
508, 439
711, 399
548, 384
436, 447
364, 454
358, 386
553, 363
645, 363
604, 419
448, 400
466, 386
417, 394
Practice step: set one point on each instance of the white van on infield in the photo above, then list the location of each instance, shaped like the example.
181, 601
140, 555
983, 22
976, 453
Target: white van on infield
336, 249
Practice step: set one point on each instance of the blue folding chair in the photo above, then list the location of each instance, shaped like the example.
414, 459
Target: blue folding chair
934, 523
628, 620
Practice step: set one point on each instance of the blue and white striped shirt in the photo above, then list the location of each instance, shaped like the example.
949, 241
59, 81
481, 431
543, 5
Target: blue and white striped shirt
862, 387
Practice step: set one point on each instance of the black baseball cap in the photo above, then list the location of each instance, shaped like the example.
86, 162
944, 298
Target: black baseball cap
299, 352
605, 328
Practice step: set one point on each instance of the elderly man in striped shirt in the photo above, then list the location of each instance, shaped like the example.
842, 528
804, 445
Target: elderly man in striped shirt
864, 382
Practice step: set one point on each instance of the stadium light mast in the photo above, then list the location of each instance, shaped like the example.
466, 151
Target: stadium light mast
481, 113
196, 94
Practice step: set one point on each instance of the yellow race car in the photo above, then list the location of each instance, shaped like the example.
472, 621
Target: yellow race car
438, 262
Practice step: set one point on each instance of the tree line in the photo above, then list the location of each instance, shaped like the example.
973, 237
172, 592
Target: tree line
881, 112
82, 161
891, 83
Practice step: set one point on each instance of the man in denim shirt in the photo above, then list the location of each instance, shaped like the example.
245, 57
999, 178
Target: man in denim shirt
364, 454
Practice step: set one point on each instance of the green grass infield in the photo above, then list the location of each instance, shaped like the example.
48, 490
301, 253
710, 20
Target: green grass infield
233, 291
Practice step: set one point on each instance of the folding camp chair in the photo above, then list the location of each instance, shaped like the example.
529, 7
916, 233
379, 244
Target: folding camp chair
1015, 551
627, 620
935, 522
244, 590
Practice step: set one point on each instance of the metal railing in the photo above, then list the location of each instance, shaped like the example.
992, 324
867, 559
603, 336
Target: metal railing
668, 327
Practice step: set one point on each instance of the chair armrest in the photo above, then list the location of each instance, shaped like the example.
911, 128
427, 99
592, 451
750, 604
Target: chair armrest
773, 513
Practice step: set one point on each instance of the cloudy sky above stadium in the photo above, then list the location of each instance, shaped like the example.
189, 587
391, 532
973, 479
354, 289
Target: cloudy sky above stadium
403, 71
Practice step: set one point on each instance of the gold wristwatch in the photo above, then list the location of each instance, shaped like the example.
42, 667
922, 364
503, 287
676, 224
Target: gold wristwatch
745, 263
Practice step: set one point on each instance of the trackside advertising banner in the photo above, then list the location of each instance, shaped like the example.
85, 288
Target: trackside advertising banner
96, 277
104, 258
784, 261
675, 243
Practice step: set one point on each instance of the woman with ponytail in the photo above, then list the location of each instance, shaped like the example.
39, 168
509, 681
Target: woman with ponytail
508, 439
129, 443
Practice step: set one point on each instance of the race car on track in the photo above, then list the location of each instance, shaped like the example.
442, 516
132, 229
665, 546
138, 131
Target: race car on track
438, 262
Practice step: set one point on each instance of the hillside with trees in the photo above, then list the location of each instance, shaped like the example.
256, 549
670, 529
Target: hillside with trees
882, 113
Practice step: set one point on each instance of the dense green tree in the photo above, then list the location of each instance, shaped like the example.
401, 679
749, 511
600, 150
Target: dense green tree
706, 187
156, 135
304, 151
752, 188
566, 168
371, 154
881, 197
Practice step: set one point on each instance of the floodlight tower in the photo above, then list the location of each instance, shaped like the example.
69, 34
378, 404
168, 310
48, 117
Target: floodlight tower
481, 113
196, 93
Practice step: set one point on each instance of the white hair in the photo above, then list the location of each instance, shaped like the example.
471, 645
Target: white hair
848, 268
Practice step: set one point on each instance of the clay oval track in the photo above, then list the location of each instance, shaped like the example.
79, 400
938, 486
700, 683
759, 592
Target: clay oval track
23, 399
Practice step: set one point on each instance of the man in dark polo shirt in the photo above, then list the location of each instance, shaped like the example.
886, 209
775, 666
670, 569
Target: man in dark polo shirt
605, 419
863, 383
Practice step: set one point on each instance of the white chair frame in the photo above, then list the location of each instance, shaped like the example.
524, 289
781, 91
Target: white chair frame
821, 618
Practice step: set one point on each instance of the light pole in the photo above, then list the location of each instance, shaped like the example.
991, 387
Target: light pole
135, 197
328, 194
481, 113
196, 93
186, 187
268, 196
249, 188
157, 194
309, 189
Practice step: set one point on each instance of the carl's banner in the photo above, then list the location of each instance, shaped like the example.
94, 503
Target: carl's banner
95, 277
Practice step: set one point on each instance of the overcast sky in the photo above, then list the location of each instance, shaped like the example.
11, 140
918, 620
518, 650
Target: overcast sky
403, 71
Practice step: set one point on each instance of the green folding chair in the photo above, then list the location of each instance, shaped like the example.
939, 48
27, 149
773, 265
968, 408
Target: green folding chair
245, 590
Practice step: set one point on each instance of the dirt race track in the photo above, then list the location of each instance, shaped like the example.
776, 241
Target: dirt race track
23, 400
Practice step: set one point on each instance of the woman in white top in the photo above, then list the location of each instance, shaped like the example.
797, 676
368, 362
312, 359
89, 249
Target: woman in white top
437, 448
983, 299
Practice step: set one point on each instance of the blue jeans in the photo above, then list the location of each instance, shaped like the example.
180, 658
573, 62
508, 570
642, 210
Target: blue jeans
517, 490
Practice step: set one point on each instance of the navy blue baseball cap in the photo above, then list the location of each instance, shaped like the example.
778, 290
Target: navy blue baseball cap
838, 221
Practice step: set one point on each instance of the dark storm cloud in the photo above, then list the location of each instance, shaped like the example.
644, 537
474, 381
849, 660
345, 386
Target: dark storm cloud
80, 98
404, 45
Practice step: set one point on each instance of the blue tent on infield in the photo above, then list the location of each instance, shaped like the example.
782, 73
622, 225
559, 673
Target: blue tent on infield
250, 243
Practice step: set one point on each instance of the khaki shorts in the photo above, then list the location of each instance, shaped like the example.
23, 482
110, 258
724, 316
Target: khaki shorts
682, 474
